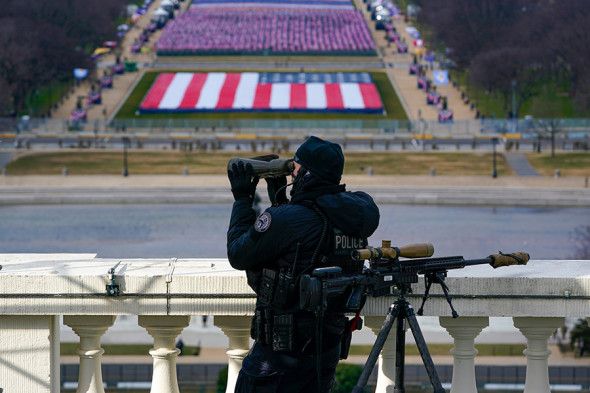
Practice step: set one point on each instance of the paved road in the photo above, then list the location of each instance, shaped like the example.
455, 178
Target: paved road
424, 195
520, 164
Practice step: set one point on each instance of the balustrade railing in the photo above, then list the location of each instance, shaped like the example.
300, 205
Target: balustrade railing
37, 290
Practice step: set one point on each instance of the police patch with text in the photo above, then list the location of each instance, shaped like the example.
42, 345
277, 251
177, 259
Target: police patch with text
345, 244
263, 222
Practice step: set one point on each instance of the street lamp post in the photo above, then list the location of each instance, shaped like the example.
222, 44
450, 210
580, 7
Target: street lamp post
514, 118
494, 169
125, 141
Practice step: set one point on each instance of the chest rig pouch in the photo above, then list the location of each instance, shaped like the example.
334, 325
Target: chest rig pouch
273, 321
278, 320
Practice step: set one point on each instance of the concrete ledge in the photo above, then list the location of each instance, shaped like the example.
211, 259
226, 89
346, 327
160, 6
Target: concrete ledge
543, 288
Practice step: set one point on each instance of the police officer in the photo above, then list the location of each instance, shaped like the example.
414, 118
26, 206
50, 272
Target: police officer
296, 350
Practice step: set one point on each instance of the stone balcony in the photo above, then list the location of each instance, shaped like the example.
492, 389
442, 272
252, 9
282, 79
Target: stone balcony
36, 290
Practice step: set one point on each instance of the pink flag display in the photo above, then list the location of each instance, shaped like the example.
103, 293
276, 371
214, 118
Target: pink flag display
263, 30
268, 91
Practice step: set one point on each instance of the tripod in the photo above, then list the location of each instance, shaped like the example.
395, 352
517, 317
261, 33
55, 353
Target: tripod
386, 272
401, 310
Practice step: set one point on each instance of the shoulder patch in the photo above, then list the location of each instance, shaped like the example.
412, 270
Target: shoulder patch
263, 222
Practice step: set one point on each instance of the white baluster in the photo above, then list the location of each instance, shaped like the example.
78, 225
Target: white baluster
386, 365
164, 330
537, 332
29, 352
464, 330
237, 330
90, 328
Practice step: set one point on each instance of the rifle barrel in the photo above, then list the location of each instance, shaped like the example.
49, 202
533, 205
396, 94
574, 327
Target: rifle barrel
425, 265
481, 261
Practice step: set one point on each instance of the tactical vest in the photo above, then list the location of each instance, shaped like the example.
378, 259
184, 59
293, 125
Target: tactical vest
278, 318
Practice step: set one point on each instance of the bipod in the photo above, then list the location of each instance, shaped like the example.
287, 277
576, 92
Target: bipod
401, 310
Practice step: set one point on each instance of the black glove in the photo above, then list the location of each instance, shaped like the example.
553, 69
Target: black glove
243, 181
277, 190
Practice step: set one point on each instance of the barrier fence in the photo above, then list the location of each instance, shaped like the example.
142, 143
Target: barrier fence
525, 128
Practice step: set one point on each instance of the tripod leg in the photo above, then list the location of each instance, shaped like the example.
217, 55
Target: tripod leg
421, 344
400, 354
390, 318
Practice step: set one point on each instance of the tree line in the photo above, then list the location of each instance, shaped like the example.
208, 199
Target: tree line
42, 41
514, 46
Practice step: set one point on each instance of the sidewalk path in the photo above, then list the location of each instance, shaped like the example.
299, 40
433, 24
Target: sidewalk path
5, 158
413, 100
352, 181
112, 98
520, 164
422, 190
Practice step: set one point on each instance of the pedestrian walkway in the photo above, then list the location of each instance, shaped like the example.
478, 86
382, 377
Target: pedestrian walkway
520, 164
5, 158
524, 191
113, 98
413, 100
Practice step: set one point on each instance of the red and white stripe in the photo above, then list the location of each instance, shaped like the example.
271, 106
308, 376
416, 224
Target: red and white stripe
242, 91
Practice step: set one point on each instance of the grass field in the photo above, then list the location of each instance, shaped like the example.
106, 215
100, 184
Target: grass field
391, 103
569, 164
443, 349
552, 100
435, 349
148, 162
71, 349
40, 101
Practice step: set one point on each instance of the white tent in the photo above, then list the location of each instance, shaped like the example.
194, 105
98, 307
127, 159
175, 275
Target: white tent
160, 12
166, 4
160, 17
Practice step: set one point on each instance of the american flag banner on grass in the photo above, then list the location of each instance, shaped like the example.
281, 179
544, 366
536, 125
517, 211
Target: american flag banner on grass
270, 91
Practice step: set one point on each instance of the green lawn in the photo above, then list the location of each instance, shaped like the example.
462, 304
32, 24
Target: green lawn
42, 100
71, 349
391, 103
569, 164
443, 349
552, 101
435, 349
160, 162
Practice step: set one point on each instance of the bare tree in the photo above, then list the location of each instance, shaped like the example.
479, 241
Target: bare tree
548, 129
512, 71
531, 42
43, 41
571, 45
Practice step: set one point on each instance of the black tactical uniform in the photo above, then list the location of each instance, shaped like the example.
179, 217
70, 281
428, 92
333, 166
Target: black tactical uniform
320, 226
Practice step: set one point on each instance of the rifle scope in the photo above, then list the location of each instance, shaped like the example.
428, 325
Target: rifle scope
419, 250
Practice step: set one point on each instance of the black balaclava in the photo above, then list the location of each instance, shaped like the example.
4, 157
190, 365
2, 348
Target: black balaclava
308, 186
322, 163
322, 158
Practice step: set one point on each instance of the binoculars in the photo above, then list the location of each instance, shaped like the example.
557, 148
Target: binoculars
273, 168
